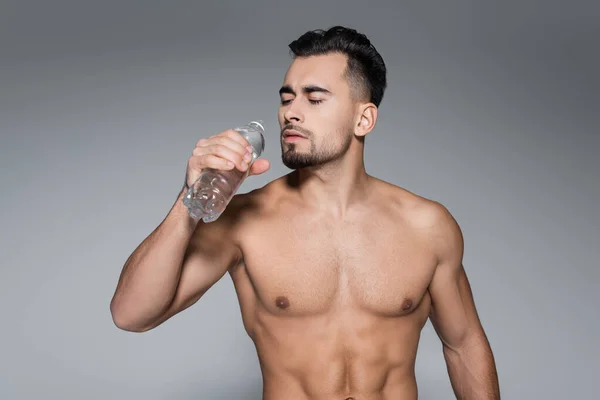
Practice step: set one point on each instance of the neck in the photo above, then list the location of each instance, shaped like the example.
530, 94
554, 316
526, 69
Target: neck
336, 186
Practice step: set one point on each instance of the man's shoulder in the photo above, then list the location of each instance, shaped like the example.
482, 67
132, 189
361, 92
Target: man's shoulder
260, 199
419, 211
431, 221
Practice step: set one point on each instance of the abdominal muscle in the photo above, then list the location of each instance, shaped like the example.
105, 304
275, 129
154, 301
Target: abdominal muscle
340, 354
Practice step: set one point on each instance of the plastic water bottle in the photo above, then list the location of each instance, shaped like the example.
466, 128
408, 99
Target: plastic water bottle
207, 198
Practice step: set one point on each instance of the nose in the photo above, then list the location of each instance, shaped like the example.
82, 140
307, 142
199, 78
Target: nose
292, 113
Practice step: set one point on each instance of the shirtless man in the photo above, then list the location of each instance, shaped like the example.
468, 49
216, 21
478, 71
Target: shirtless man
336, 271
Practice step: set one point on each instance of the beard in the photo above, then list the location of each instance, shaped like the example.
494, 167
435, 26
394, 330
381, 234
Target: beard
295, 159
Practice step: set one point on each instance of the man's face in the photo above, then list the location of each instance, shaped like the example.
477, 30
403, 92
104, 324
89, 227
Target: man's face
316, 103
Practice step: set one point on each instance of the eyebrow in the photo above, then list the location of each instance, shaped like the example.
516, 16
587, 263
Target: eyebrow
306, 89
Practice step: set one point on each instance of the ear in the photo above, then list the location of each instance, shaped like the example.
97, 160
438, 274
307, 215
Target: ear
367, 117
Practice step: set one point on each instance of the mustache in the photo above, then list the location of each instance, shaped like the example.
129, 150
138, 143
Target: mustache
297, 128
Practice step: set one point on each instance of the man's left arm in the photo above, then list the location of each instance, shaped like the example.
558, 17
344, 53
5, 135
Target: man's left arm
468, 355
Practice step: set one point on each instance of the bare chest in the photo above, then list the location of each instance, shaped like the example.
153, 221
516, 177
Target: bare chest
303, 268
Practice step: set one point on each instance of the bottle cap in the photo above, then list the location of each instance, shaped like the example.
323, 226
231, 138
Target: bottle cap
259, 123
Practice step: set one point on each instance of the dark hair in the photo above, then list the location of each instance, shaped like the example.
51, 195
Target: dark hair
366, 70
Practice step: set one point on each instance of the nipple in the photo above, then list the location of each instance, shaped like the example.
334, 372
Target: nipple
407, 304
282, 302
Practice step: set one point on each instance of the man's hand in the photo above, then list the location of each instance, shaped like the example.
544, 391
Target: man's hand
224, 151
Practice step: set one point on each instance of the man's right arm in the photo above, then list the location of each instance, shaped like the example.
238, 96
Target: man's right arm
178, 262
171, 269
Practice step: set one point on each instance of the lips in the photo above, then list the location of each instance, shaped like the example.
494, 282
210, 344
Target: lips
292, 133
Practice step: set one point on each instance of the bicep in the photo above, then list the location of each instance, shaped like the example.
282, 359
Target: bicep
453, 313
208, 257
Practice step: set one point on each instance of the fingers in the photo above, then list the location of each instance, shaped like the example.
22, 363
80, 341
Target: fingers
224, 151
228, 145
236, 137
260, 166
228, 137
238, 158
198, 163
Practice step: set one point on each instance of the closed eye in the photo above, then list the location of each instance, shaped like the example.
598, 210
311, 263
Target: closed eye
284, 102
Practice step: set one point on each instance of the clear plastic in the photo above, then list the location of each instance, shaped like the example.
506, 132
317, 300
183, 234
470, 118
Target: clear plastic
208, 197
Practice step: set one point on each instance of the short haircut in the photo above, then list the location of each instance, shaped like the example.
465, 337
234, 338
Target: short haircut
365, 71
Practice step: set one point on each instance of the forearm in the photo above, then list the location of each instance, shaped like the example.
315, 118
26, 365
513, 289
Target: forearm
150, 276
472, 369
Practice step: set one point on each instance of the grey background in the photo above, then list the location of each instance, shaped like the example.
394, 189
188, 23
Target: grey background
492, 109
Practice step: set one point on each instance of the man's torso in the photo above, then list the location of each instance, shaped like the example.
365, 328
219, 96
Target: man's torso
335, 304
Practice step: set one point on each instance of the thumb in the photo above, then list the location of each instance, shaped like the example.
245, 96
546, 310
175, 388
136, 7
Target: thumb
261, 165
